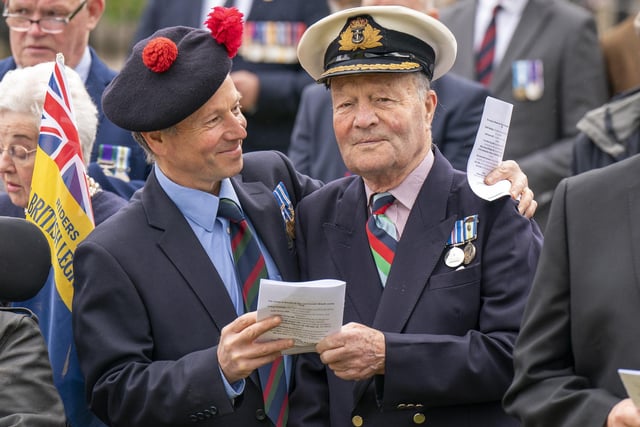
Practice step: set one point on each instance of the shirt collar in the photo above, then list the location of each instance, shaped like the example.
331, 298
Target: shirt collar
407, 192
198, 206
84, 65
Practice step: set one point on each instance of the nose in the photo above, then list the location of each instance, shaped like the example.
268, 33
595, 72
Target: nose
365, 116
34, 28
6, 164
239, 126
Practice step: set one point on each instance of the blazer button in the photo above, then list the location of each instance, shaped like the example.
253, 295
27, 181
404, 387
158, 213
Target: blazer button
419, 418
357, 421
213, 410
260, 415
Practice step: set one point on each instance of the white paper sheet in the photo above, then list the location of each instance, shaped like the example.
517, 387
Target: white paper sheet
631, 380
488, 149
310, 310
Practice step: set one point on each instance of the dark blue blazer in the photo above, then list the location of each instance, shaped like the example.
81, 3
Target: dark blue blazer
149, 305
449, 332
108, 133
281, 85
314, 150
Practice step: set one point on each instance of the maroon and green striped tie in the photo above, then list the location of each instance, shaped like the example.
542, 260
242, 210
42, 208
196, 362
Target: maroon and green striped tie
382, 234
251, 267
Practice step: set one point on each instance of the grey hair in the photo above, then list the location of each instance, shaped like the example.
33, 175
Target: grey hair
422, 85
23, 91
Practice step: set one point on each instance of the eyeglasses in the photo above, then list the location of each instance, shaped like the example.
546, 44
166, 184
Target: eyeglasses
18, 154
48, 24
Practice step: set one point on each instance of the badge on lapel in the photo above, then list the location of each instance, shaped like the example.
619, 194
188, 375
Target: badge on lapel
287, 211
464, 232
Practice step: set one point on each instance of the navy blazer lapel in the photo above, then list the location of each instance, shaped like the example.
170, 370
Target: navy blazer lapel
260, 205
184, 251
534, 16
347, 239
419, 249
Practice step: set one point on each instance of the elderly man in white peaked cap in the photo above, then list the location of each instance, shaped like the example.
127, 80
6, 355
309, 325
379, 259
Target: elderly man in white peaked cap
437, 278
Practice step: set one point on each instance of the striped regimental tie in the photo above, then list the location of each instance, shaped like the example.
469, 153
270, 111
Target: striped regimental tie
485, 55
251, 267
382, 234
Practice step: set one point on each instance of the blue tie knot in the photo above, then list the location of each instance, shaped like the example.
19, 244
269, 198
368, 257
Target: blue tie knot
381, 201
228, 209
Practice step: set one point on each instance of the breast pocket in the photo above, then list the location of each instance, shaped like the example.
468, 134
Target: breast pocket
451, 303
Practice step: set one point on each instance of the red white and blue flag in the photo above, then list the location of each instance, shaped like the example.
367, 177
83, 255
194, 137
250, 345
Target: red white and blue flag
60, 205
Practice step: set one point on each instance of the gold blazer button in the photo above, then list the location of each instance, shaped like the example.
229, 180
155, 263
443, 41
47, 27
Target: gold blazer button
419, 418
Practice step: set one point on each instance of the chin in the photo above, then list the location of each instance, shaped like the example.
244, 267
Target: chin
20, 202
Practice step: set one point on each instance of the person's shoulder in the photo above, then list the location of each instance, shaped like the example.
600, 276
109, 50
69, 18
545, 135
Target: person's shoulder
99, 67
262, 159
115, 220
6, 64
566, 12
315, 93
617, 174
452, 82
106, 204
7, 208
335, 190
12, 316
454, 8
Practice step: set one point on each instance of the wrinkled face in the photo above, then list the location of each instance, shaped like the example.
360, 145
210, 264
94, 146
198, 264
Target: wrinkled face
35, 46
20, 130
206, 147
382, 124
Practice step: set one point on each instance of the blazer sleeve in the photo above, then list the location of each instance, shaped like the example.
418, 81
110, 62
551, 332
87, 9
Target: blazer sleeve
27, 396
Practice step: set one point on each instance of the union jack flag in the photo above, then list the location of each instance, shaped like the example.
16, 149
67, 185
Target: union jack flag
59, 138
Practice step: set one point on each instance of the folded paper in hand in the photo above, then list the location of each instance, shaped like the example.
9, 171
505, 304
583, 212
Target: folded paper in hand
309, 310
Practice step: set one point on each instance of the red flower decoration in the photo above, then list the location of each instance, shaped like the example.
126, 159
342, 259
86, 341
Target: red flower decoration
159, 54
226, 26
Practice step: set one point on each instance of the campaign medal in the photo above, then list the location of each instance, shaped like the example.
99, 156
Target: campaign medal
463, 233
454, 257
527, 79
471, 232
469, 253
287, 211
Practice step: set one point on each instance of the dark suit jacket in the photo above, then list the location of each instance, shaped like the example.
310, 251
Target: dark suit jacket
564, 37
99, 77
149, 306
449, 333
281, 84
314, 150
582, 320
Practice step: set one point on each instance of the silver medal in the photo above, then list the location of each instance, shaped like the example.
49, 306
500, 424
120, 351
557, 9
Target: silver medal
454, 257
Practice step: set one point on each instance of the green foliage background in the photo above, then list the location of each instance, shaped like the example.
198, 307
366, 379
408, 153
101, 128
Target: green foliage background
123, 10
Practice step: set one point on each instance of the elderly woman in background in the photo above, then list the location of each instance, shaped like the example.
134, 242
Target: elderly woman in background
22, 93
